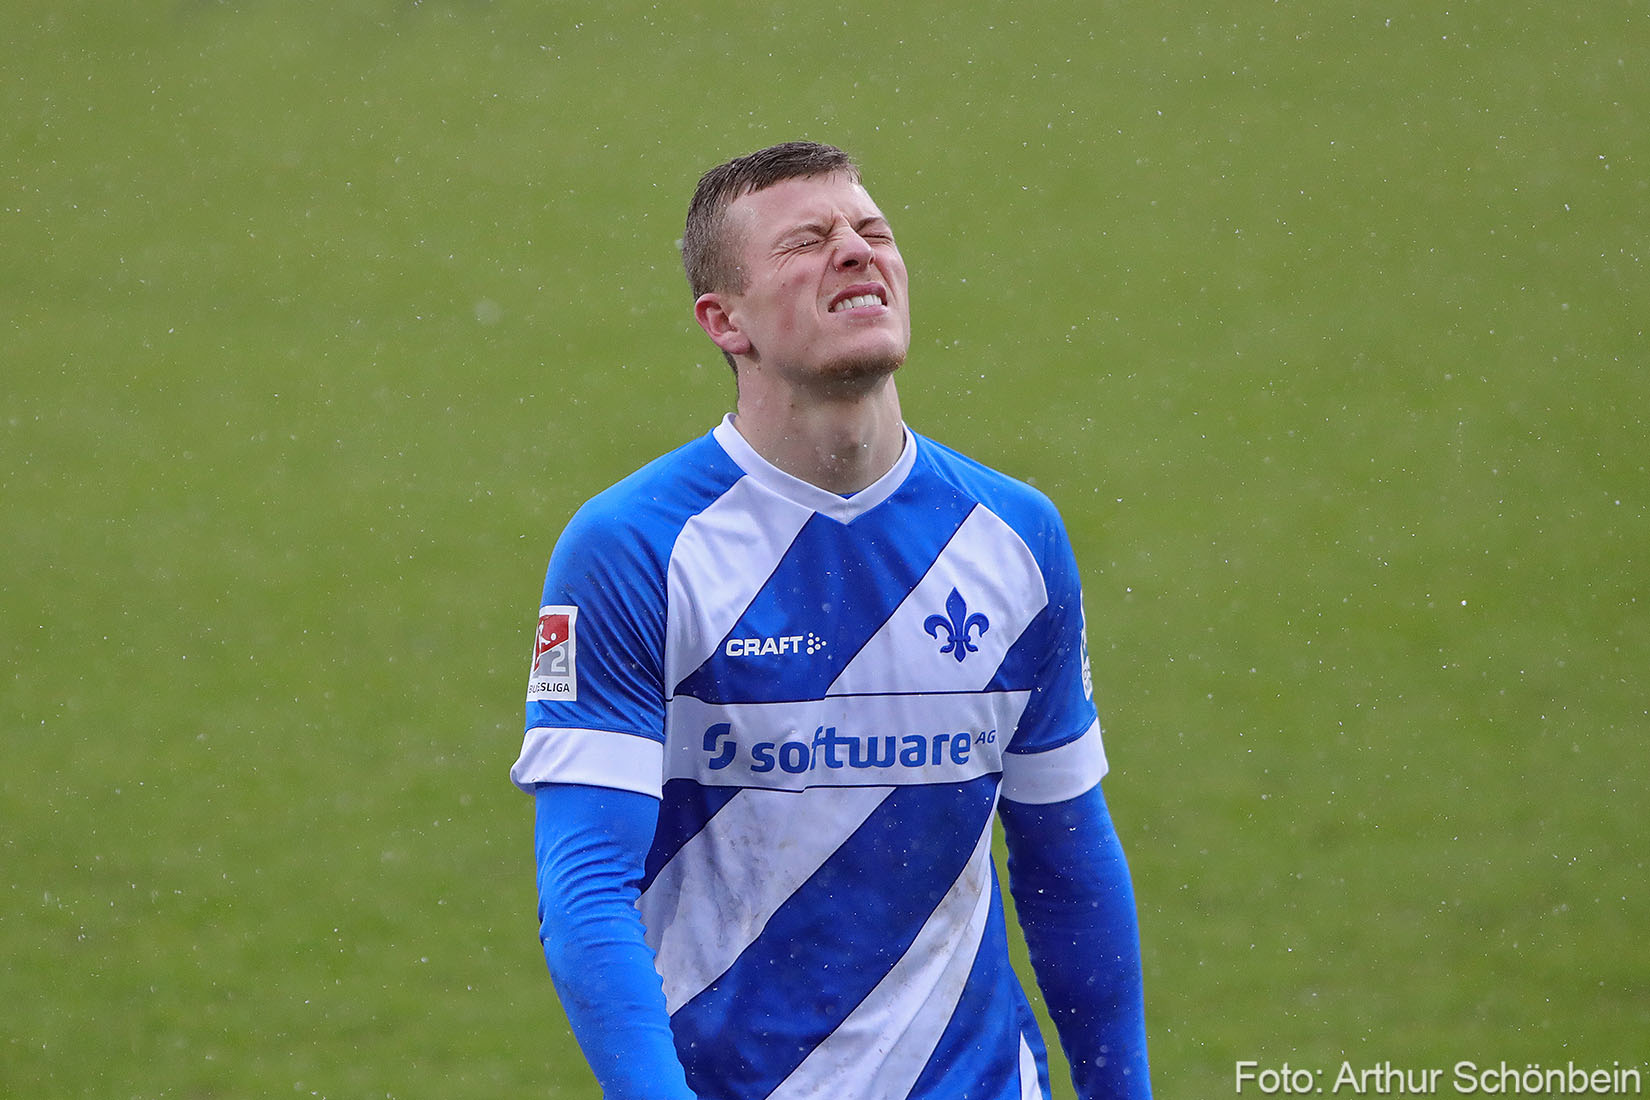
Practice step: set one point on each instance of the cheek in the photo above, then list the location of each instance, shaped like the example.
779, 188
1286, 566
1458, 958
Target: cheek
794, 304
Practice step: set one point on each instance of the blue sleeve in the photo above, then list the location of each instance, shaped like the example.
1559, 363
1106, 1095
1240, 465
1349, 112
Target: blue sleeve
608, 575
1075, 902
591, 844
1052, 655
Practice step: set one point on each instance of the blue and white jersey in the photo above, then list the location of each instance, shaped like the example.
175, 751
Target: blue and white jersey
828, 695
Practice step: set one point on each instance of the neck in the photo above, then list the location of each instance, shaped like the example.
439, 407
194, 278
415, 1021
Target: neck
840, 445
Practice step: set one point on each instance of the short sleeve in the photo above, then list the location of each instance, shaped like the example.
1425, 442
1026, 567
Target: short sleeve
596, 701
1057, 751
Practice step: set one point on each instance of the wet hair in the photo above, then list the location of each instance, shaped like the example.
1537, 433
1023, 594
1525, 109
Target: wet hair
708, 257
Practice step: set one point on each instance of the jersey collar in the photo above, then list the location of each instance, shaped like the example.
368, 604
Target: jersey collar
840, 508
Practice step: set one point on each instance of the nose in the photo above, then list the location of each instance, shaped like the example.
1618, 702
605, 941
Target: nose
853, 251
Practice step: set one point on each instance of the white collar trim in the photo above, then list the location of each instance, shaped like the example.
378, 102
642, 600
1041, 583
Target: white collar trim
842, 509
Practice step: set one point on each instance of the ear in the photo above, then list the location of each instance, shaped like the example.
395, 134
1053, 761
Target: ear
715, 316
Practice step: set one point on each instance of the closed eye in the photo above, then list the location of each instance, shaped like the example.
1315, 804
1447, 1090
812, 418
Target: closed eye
875, 229
800, 242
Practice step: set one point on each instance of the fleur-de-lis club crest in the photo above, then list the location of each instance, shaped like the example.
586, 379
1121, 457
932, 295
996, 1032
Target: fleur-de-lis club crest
959, 627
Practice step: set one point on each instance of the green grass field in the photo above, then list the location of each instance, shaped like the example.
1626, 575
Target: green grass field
1323, 324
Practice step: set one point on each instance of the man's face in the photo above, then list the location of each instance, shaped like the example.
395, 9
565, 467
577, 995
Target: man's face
824, 299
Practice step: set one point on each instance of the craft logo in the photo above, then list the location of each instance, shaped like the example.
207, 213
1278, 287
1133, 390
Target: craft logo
778, 645
555, 656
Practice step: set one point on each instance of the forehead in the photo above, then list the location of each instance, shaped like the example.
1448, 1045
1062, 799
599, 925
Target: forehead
805, 200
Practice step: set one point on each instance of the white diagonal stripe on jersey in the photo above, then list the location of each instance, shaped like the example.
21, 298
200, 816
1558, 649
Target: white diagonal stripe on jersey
984, 556
881, 1048
723, 557
1031, 1086
724, 884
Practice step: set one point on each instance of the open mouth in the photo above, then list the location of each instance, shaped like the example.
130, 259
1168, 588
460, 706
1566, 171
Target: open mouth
857, 298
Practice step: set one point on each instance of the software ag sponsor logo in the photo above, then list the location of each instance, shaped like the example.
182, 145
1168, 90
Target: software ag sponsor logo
830, 750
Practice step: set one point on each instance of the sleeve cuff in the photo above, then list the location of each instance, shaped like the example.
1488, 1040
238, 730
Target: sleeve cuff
591, 758
1060, 773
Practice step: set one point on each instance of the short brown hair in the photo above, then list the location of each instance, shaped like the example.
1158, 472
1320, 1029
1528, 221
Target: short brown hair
706, 255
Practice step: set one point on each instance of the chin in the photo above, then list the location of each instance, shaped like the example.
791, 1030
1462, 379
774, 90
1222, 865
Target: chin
869, 361
863, 368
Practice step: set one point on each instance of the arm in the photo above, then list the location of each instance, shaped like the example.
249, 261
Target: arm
1075, 902
591, 843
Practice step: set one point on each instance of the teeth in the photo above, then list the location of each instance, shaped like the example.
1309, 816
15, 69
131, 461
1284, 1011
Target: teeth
857, 301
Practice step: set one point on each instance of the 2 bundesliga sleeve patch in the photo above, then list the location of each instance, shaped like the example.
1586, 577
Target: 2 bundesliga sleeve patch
554, 676
1088, 673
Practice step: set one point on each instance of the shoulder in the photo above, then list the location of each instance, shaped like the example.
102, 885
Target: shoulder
1023, 507
646, 511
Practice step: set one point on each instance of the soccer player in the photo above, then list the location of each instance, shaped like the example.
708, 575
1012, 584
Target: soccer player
784, 678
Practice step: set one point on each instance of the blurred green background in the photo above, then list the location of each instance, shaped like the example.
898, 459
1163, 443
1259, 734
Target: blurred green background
1323, 324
